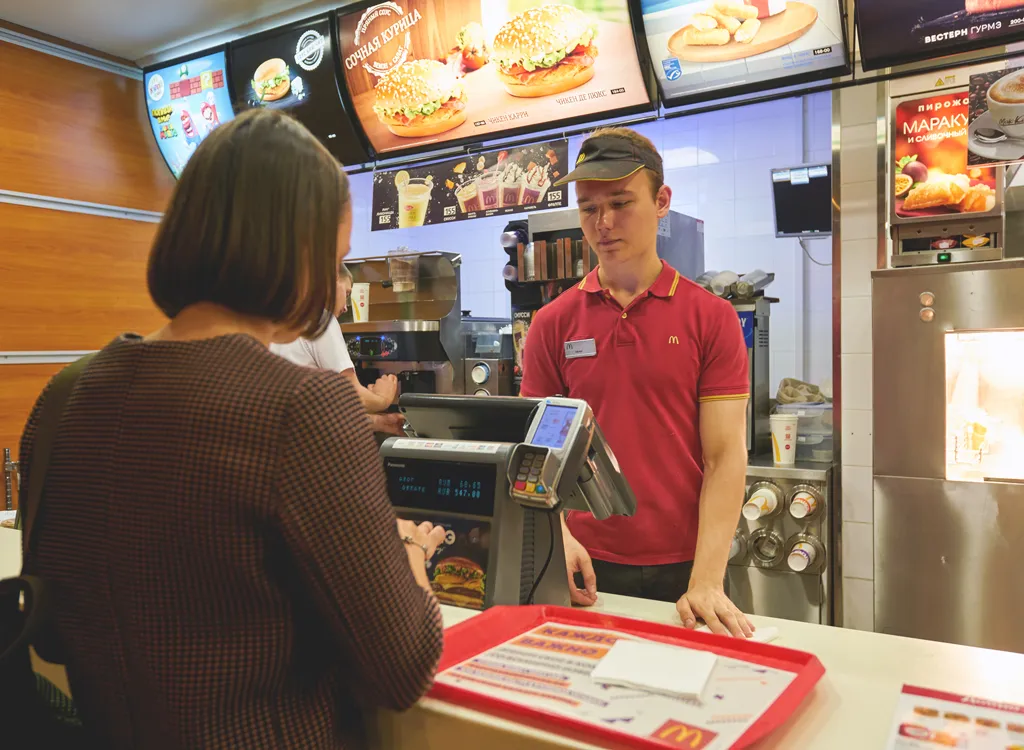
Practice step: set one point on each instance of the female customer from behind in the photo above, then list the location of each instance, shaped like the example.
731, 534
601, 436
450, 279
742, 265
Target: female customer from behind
216, 523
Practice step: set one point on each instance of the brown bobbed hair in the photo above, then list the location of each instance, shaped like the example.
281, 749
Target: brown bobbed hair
253, 225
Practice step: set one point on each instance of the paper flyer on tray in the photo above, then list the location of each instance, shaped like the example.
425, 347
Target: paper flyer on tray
548, 668
930, 719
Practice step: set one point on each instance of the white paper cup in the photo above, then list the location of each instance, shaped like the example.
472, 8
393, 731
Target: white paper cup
801, 557
783, 438
762, 503
360, 303
804, 504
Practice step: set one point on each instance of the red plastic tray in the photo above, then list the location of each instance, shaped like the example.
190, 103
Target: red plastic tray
500, 624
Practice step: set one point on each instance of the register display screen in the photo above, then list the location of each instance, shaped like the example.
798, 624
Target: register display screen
803, 201
442, 487
554, 426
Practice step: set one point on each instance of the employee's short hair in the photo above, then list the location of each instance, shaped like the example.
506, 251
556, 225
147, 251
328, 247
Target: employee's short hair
641, 143
253, 225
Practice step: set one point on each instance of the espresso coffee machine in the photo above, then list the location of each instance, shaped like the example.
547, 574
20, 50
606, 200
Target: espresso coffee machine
413, 322
489, 356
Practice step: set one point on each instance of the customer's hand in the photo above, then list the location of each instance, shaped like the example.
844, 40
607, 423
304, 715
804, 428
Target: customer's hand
390, 423
709, 603
386, 388
425, 534
577, 560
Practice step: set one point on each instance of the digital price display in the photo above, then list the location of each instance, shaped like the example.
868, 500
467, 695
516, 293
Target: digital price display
442, 487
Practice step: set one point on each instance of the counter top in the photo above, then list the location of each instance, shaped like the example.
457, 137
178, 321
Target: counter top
851, 708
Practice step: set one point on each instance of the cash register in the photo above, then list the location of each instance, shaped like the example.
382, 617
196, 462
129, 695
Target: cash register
495, 472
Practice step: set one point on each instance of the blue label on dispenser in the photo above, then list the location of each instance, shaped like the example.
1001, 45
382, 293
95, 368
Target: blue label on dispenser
747, 324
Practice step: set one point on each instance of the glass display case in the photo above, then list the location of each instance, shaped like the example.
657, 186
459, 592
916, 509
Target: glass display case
985, 405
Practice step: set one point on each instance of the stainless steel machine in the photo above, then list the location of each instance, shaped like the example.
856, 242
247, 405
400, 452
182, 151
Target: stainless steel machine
780, 564
490, 356
496, 472
413, 328
949, 452
755, 315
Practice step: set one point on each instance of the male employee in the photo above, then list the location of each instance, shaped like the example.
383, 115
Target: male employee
330, 352
664, 366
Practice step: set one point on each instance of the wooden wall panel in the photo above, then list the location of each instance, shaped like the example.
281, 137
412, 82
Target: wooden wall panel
77, 132
20, 386
72, 281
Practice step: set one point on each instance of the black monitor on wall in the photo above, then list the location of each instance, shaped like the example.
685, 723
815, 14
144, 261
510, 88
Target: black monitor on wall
424, 75
896, 32
294, 68
802, 197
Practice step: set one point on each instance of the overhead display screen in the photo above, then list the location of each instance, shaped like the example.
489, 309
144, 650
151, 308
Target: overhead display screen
424, 73
704, 49
293, 68
803, 201
895, 32
185, 101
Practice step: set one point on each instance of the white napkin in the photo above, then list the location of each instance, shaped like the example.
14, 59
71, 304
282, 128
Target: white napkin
761, 635
656, 667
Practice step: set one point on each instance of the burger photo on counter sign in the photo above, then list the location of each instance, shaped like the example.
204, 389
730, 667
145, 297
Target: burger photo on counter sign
545, 51
460, 582
420, 98
521, 65
271, 81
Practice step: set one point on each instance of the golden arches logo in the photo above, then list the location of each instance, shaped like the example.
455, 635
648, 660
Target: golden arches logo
673, 340
683, 735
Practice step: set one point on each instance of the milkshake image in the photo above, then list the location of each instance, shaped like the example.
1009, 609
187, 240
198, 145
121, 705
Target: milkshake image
413, 199
511, 182
487, 184
535, 185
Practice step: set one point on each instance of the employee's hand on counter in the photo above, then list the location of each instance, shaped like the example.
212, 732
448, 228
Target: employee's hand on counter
386, 388
390, 423
577, 560
710, 603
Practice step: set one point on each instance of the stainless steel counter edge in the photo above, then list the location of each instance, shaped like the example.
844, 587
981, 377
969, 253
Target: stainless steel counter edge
806, 471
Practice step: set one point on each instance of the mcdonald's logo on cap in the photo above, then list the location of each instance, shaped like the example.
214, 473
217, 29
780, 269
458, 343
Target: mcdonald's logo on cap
677, 734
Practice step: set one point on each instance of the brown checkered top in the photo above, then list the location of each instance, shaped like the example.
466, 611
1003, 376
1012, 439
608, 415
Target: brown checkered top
228, 572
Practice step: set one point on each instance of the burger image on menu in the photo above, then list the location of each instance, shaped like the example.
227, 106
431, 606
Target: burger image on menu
420, 98
460, 582
545, 50
271, 81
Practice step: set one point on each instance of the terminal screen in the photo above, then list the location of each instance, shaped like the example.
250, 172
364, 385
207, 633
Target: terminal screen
554, 426
442, 486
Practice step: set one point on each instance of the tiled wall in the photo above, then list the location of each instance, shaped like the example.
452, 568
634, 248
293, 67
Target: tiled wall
717, 166
860, 228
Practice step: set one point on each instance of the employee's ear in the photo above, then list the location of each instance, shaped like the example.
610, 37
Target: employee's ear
664, 200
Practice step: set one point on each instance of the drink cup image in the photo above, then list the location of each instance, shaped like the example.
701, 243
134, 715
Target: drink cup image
535, 186
511, 186
487, 184
360, 303
1005, 100
784, 439
468, 196
413, 201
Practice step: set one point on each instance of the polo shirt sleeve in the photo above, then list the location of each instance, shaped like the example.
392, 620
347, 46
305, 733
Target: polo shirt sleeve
542, 371
330, 352
725, 366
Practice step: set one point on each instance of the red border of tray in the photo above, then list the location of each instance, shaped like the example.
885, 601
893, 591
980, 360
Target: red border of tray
500, 624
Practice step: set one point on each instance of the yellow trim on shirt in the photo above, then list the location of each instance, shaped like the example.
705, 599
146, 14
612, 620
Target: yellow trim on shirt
730, 397
582, 284
675, 283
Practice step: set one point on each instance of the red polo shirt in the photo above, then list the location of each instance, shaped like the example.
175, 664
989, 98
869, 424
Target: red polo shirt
656, 360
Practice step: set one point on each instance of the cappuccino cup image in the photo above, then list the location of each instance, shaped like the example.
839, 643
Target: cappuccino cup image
1006, 103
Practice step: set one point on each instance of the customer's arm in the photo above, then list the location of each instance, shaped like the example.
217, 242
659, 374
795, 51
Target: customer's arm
330, 352
338, 523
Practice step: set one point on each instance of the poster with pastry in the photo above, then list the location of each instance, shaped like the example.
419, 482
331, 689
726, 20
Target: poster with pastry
931, 176
703, 47
894, 32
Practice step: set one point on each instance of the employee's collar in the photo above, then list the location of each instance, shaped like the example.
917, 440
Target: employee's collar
664, 286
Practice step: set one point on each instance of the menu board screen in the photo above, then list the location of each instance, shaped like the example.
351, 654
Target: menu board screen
293, 68
185, 101
905, 31
431, 72
702, 47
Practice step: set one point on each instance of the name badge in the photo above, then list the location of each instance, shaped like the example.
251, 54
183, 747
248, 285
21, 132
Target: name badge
580, 349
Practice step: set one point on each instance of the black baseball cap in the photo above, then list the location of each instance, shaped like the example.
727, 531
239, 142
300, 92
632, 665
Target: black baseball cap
610, 157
